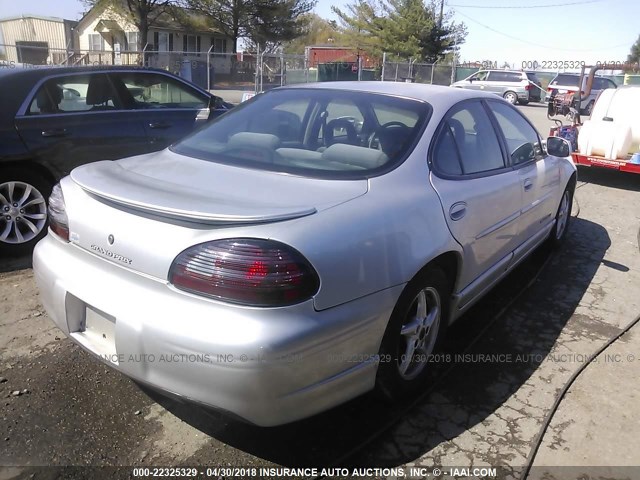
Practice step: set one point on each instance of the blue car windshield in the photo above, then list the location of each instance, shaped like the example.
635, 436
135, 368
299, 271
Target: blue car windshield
313, 132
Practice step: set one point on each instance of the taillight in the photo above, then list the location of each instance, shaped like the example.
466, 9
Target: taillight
58, 221
246, 271
527, 87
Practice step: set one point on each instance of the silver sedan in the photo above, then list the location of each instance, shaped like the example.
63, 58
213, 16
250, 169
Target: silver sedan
307, 247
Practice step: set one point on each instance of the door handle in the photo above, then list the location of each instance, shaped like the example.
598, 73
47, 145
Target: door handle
159, 125
528, 184
56, 132
457, 211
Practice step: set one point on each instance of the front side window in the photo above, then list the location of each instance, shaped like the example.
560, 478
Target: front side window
480, 76
523, 142
158, 91
77, 93
320, 133
475, 140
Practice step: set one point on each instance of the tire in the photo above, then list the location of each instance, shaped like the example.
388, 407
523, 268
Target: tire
523, 102
430, 290
21, 228
511, 97
563, 218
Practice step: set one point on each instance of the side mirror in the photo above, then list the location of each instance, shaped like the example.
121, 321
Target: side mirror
215, 103
471, 80
558, 147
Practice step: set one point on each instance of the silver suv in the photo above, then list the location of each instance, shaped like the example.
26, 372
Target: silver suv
515, 86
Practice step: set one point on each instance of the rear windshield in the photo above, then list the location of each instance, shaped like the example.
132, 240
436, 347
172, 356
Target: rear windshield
568, 80
532, 77
313, 132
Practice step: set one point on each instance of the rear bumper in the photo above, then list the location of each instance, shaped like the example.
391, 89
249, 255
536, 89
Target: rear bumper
267, 366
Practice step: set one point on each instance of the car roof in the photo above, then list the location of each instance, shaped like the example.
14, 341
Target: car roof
27, 71
440, 97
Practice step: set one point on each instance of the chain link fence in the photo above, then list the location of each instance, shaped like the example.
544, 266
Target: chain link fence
430, 73
210, 70
254, 72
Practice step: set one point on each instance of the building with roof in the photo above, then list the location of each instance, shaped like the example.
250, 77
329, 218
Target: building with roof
36, 39
106, 32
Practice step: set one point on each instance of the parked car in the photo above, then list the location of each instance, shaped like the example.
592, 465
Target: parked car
310, 245
514, 86
54, 119
568, 83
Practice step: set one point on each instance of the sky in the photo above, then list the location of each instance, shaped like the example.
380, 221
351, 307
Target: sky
572, 30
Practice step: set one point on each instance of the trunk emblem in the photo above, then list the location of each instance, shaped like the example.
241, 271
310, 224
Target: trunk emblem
111, 239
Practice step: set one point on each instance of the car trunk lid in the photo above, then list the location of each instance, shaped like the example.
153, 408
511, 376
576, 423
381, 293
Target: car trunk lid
142, 211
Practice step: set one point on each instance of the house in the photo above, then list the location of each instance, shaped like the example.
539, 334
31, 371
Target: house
107, 35
37, 40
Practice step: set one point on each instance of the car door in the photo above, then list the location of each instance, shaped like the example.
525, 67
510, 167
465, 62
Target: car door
475, 81
481, 195
74, 119
495, 82
168, 107
539, 174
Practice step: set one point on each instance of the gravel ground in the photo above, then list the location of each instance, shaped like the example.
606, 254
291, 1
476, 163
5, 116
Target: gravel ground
72, 410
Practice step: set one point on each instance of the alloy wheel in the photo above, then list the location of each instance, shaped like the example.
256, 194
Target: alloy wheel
419, 333
23, 212
563, 215
511, 98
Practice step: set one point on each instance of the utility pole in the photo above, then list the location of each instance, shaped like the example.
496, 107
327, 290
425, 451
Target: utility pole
441, 13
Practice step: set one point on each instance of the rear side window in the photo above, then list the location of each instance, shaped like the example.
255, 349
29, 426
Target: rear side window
523, 142
497, 76
467, 137
600, 83
445, 157
76, 93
